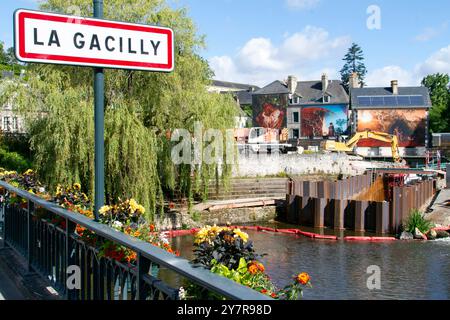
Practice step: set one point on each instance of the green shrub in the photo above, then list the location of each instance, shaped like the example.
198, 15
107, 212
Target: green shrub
13, 161
417, 220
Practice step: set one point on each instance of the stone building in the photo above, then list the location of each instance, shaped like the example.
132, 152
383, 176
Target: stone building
311, 110
402, 111
242, 93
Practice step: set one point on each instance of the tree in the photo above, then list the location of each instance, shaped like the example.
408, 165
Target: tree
353, 63
438, 85
140, 109
3, 56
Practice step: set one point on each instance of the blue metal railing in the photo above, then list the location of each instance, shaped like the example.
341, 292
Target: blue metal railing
50, 250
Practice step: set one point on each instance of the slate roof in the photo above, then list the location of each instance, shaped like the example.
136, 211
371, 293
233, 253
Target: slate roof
234, 85
387, 91
244, 97
310, 92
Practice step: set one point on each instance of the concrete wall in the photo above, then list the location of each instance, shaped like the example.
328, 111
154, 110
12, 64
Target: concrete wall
296, 164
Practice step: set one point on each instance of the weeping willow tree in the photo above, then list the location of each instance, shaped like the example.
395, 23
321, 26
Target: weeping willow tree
140, 109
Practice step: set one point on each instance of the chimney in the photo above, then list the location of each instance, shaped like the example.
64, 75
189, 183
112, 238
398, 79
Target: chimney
292, 84
324, 82
394, 86
353, 81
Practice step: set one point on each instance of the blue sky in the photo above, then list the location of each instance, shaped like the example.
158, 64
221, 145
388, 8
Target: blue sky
258, 41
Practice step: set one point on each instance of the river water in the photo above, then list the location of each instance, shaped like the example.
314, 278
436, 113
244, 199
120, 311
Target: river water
338, 269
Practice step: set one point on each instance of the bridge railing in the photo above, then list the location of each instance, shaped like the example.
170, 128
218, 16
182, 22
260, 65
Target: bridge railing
56, 253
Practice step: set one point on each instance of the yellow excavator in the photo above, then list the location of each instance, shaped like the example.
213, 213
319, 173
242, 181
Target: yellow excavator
353, 141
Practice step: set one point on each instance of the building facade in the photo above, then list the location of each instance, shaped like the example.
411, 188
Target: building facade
242, 93
309, 109
11, 122
401, 111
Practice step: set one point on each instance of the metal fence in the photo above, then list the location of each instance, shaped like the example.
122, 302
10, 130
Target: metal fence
355, 203
50, 250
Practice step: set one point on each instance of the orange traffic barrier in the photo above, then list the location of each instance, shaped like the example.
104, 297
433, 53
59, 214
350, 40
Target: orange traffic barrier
356, 238
175, 233
382, 238
326, 237
306, 234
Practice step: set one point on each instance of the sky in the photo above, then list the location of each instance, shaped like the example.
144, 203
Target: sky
259, 41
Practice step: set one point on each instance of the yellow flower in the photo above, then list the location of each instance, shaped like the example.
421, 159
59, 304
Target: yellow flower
58, 190
28, 172
77, 186
240, 234
103, 210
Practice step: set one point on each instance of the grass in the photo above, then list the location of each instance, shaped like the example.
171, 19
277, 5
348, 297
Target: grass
417, 220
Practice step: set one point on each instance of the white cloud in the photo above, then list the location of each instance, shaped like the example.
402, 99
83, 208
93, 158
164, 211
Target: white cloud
302, 4
437, 62
382, 77
312, 43
426, 34
431, 32
306, 53
260, 54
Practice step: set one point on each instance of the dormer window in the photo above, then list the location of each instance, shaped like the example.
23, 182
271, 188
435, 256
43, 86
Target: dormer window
294, 100
326, 99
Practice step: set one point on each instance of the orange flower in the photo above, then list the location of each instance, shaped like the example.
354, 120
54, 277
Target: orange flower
263, 291
302, 278
273, 295
137, 233
260, 266
152, 228
253, 269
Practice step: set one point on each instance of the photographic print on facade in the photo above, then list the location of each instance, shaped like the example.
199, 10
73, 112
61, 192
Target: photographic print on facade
323, 120
270, 111
408, 125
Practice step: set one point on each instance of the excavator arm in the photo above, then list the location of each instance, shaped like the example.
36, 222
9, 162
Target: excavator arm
350, 144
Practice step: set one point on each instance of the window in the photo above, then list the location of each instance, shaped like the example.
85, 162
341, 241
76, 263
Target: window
295, 133
295, 117
326, 99
294, 100
6, 124
15, 124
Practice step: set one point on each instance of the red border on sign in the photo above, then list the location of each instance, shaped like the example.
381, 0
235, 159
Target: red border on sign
98, 23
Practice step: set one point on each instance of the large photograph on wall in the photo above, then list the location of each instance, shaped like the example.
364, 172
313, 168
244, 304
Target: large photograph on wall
269, 111
408, 125
330, 120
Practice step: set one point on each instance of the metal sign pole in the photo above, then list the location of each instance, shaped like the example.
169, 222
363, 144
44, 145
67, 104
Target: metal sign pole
99, 97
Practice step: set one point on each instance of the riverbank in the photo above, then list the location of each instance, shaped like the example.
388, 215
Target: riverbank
439, 210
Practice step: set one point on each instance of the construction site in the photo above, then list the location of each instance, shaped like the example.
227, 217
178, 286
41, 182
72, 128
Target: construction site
315, 156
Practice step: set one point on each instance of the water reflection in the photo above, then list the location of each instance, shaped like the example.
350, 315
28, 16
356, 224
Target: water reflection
409, 269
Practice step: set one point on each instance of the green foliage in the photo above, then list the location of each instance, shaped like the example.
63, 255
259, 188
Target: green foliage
438, 85
417, 220
225, 248
140, 108
13, 161
354, 62
8, 61
130, 160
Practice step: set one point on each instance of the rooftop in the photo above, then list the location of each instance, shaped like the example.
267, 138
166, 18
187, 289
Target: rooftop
383, 97
309, 92
233, 85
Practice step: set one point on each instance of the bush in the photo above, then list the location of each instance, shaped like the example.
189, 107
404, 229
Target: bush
13, 161
417, 220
